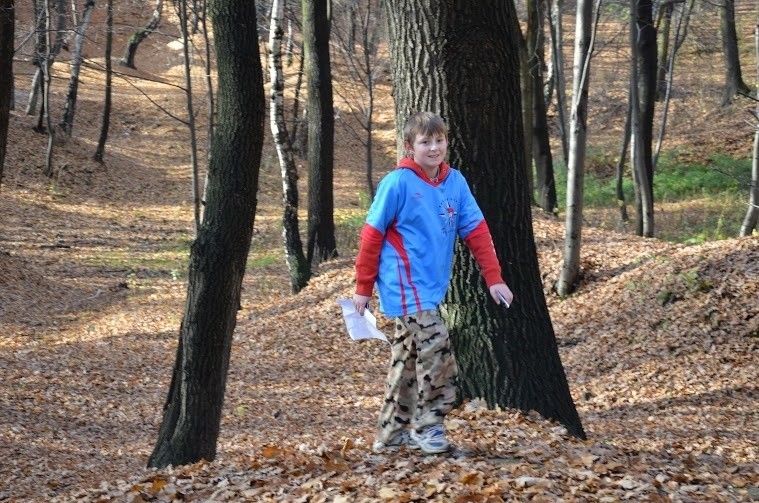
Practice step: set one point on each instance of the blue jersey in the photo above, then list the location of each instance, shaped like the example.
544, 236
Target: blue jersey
419, 221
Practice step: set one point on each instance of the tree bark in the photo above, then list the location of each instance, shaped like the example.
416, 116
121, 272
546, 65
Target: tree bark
211, 107
98, 157
298, 122
528, 109
60, 35
192, 414
45, 64
196, 195
751, 220
7, 32
321, 125
297, 264
663, 25
37, 87
67, 121
446, 55
734, 83
61, 27
680, 30
360, 25
210, 104
618, 180
560, 81
584, 39
643, 40
141, 34
541, 147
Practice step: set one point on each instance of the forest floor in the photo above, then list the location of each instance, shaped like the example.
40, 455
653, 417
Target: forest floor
659, 346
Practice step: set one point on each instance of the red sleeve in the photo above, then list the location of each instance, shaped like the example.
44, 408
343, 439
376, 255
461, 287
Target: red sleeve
480, 242
367, 261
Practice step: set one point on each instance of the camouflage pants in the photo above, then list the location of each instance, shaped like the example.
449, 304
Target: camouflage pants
423, 377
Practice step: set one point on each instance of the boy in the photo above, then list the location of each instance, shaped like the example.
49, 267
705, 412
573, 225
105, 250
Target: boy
407, 249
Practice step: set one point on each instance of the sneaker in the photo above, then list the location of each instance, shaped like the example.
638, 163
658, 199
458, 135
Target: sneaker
432, 439
399, 440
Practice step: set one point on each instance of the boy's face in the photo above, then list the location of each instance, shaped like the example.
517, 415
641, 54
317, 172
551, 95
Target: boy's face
428, 151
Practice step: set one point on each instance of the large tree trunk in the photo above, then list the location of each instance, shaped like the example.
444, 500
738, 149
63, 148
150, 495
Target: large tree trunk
7, 32
570, 269
541, 147
447, 55
321, 127
192, 414
733, 77
141, 34
643, 79
297, 265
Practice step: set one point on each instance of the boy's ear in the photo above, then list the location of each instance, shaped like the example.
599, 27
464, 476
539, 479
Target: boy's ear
407, 146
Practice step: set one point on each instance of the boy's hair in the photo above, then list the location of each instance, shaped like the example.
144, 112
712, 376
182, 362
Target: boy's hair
424, 123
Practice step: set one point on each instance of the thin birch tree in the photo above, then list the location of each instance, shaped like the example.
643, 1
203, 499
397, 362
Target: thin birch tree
297, 264
38, 81
60, 35
751, 220
69, 111
585, 28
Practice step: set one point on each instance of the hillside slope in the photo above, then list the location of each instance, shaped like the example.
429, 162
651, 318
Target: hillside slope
659, 344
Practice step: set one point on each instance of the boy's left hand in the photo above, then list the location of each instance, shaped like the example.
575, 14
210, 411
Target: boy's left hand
500, 293
360, 302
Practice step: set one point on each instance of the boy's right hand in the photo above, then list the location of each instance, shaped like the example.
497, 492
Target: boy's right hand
502, 294
360, 302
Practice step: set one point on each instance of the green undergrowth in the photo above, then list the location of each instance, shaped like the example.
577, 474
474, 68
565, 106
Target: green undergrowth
694, 203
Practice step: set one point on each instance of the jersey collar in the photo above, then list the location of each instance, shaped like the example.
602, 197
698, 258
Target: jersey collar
413, 166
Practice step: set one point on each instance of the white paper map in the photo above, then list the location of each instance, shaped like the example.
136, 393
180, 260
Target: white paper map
360, 327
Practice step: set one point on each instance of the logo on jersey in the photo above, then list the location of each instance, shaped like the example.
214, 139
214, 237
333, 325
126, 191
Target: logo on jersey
448, 215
